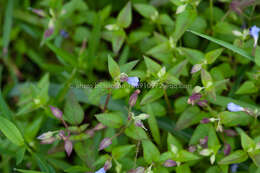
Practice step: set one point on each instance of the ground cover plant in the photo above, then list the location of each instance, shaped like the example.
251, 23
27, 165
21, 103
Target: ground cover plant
140, 86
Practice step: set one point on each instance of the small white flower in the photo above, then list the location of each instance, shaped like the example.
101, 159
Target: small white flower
181, 9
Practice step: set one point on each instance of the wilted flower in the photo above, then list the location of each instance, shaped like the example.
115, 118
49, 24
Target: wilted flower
108, 165
105, 143
99, 126
194, 98
48, 141
232, 107
39, 12
134, 81
139, 123
101, 170
68, 145
230, 132
133, 98
227, 149
204, 141
254, 32
192, 148
137, 170
48, 32
202, 103
205, 121
169, 163
56, 112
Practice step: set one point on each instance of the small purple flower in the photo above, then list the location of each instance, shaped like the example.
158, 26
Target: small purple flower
105, 143
108, 165
64, 33
134, 81
169, 163
232, 107
227, 149
101, 170
39, 12
56, 112
68, 147
254, 32
233, 168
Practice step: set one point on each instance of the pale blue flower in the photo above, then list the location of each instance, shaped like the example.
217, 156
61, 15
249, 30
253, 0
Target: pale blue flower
254, 32
134, 81
232, 107
234, 168
102, 170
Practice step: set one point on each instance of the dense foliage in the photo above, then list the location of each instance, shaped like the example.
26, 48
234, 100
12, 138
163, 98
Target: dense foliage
134, 86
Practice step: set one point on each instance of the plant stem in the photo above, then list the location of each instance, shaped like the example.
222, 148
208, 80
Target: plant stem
167, 101
107, 100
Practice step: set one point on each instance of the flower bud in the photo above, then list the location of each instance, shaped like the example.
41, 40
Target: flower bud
105, 143
205, 152
139, 123
48, 141
196, 68
99, 126
133, 98
169, 163
204, 141
123, 77
227, 149
45, 136
202, 103
56, 112
48, 32
142, 117
68, 147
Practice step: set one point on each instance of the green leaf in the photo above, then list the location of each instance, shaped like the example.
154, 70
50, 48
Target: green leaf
113, 119
122, 151
4, 109
147, 11
63, 57
153, 126
247, 143
257, 55
206, 79
151, 153
152, 95
20, 155
213, 55
230, 119
124, 18
171, 140
7, 26
183, 168
73, 113
187, 118
235, 157
126, 68
11, 131
151, 65
185, 156
200, 132
136, 133
118, 38
225, 44
113, 67
183, 22
77, 168
247, 87
213, 141
27, 171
